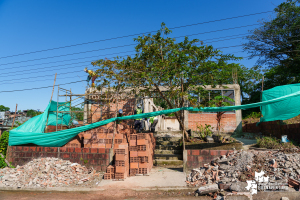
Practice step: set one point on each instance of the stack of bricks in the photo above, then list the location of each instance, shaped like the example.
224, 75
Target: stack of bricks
100, 137
121, 161
109, 110
141, 151
110, 173
133, 153
75, 142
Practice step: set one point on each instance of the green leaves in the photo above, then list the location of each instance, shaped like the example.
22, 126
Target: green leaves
276, 41
161, 61
3, 108
220, 101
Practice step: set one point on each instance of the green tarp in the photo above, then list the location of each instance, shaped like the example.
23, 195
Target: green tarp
32, 131
283, 110
63, 118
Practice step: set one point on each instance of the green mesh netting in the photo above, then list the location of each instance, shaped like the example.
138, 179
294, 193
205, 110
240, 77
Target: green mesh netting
274, 107
283, 110
63, 118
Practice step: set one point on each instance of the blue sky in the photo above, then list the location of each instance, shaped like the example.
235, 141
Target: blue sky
34, 25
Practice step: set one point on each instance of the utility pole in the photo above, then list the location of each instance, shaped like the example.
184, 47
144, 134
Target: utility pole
50, 101
12, 125
262, 84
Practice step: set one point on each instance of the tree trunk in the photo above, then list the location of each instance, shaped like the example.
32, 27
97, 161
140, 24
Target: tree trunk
176, 114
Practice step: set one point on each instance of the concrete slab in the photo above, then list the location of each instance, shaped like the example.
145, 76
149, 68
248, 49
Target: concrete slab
158, 177
247, 143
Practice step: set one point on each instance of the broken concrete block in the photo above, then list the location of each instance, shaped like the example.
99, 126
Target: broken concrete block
223, 186
209, 139
239, 196
239, 187
208, 189
284, 198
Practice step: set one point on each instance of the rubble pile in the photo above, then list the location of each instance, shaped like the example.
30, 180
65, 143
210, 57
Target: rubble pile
47, 172
233, 170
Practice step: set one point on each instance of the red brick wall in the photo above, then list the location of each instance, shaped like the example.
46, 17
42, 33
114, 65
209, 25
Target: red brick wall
96, 157
196, 158
275, 129
109, 111
228, 121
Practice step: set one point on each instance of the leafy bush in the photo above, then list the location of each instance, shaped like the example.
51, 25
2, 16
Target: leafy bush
273, 143
2, 162
253, 115
4, 142
3, 147
204, 131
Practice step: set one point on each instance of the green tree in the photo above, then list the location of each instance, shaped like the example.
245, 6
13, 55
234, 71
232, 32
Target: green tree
32, 113
220, 101
161, 63
276, 42
3, 108
77, 115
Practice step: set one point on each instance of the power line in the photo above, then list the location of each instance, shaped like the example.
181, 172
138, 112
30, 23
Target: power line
62, 61
83, 81
68, 54
39, 87
82, 66
30, 81
94, 56
41, 76
52, 67
125, 45
79, 44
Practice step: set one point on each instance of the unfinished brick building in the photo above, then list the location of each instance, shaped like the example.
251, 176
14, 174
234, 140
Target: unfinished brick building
231, 121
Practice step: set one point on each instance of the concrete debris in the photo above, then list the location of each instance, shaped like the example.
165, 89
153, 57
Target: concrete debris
239, 195
232, 171
208, 189
239, 187
47, 172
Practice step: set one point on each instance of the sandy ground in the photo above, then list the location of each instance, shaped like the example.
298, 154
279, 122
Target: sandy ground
159, 177
106, 195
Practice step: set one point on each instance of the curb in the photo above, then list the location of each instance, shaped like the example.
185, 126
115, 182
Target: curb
57, 189
78, 189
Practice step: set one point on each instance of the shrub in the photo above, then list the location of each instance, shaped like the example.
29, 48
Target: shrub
3, 148
4, 142
204, 131
273, 143
253, 115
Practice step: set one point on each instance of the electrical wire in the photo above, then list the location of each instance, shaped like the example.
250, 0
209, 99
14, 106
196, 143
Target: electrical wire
38, 87
92, 57
128, 52
183, 26
58, 56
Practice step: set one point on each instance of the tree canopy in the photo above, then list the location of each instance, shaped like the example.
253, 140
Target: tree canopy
276, 42
32, 113
3, 108
159, 61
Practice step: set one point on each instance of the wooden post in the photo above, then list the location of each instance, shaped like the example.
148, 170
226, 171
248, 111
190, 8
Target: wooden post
115, 127
182, 116
262, 84
262, 89
57, 107
12, 125
50, 102
70, 105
